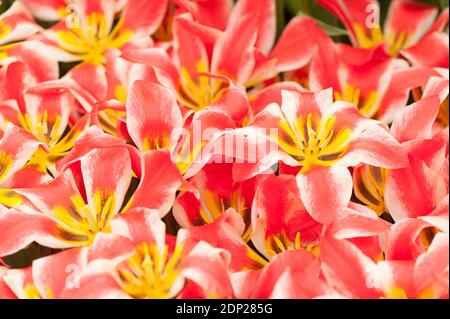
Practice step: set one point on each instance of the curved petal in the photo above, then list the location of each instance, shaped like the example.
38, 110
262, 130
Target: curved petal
47, 10
212, 13
277, 212
106, 173
225, 232
33, 54
208, 267
281, 278
28, 176
416, 120
431, 51
153, 116
401, 240
396, 95
299, 32
373, 145
141, 225
272, 94
91, 78
158, 59
346, 268
159, 183
19, 22
109, 245
295, 104
265, 10
413, 191
5, 291
92, 138
357, 221
323, 72
325, 192
96, 283
411, 18
42, 196
16, 148
234, 101
143, 17
439, 216
216, 193
20, 229
233, 51
189, 50
55, 273
431, 268
360, 17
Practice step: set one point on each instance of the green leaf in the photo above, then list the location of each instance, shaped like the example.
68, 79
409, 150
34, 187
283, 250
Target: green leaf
438, 3
295, 6
329, 29
281, 21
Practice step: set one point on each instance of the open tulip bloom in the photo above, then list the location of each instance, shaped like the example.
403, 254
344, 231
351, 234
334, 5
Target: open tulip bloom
224, 149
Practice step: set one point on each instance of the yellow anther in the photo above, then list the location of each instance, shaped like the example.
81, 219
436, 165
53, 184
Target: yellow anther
150, 273
312, 141
89, 42
78, 223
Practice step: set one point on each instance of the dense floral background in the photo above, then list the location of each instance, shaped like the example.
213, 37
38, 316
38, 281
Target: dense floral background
224, 149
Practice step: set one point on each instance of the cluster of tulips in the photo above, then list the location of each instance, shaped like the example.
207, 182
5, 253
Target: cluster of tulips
186, 149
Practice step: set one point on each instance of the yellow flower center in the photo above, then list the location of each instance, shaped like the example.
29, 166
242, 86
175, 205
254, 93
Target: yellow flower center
186, 152
108, 120
157, 143
212, 207
78, 224
149, 274
394, 41
368, 39
5, 29
88, 42
5, 164
8, 197
400, 293
313, 141
367, 106
48, 130
31, 292
396, 293
277, 244
369, 183
201, 91
397, 41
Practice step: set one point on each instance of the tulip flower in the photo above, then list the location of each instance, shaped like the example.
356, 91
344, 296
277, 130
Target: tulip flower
88, 201
216, 193
409, 29
214, 70
366, 77
16, 148
139, 263
322, 139
89, 30
219, 149
16, 24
